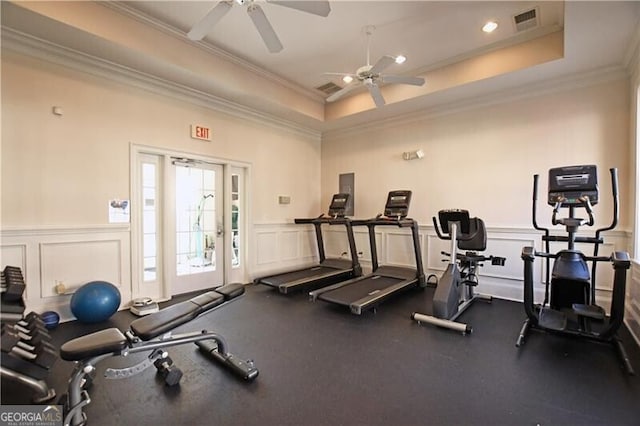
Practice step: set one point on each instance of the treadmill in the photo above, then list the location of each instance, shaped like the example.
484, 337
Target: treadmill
368, 291
327, 271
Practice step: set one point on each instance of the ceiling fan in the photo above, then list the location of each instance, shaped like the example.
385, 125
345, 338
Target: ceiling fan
257, 15
370, 76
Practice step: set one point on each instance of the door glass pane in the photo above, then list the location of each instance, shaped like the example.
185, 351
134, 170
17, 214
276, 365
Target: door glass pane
149, 228
235, 220
195, 220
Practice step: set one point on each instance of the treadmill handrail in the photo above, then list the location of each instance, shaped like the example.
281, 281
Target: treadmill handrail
304, 220
384, 221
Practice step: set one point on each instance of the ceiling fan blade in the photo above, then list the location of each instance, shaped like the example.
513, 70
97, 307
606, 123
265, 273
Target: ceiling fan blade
340, 73
374, 90
346, 89
382, 63
212, 17
264, 28
321, 8
401, 79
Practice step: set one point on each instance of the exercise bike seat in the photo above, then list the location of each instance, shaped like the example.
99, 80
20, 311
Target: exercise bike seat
479, 240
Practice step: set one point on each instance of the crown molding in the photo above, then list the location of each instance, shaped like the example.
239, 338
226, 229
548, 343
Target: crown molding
29, 45
209, 48
564, 83
632, 57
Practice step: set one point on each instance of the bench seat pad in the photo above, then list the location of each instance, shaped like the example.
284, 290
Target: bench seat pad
101, 342
158, 323
231, 291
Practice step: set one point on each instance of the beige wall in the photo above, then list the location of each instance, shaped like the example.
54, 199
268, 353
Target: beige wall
483, 159
61, 171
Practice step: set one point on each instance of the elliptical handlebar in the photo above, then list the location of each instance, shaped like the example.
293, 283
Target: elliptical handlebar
614, 190
536, 177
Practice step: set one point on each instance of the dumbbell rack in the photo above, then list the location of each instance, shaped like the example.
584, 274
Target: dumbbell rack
27, 354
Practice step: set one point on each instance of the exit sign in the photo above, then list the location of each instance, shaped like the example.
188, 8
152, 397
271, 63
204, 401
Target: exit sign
200, 132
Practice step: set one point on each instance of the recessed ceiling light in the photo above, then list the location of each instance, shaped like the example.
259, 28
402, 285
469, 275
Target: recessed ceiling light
347, 79
400, 59
490, 26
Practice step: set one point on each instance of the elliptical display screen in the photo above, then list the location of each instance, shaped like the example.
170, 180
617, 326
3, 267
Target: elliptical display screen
571, 184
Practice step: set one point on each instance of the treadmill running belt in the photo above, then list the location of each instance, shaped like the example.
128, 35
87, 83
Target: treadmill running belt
276, 280
356, 291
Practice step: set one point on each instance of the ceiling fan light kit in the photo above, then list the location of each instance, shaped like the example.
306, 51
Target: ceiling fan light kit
370, 76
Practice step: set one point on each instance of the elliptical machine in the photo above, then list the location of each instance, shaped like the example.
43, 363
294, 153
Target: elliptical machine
455, 289
569, 306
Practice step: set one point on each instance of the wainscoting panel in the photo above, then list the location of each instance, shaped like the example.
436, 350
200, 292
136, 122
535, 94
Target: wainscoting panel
288, 244
398, 248
436, 262
336, 245
632, 313
280, 247
266, 247
68, 256
307, 243
92, 261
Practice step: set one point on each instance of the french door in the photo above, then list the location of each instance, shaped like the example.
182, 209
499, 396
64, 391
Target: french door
197, 226
188, 223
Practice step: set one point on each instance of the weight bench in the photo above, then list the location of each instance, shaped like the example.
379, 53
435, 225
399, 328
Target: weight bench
150, 333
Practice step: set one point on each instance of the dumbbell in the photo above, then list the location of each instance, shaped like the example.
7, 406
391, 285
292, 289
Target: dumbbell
42, 354
32, 320
33, 336
169, 372
13, 285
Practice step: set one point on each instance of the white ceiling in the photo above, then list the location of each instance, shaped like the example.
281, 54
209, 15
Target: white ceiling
426, 32
597, 36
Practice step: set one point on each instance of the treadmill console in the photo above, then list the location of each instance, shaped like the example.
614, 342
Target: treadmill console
338, 205
454, 215
397, 204
570, 184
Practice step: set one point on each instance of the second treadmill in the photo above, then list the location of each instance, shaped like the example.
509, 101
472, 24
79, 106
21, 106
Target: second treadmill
366, 292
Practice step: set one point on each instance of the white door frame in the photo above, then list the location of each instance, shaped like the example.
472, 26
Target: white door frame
239, 274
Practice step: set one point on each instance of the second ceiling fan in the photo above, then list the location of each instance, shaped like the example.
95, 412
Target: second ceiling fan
257, 15
370, 76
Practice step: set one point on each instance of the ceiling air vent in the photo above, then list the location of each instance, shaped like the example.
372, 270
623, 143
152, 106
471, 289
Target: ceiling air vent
329, 88
526, 20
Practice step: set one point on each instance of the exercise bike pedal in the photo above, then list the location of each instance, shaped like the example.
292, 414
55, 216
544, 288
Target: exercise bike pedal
552, 319
590, 311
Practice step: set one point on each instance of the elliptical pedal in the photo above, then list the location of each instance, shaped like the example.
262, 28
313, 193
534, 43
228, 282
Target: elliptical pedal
591, 311
552, 319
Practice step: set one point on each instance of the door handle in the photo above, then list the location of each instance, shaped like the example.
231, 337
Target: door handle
220, 231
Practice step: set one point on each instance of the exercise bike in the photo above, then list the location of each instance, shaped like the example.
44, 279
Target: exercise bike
569, 307
455, 289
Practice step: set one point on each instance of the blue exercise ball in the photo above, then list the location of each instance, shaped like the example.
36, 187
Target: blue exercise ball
95, 301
